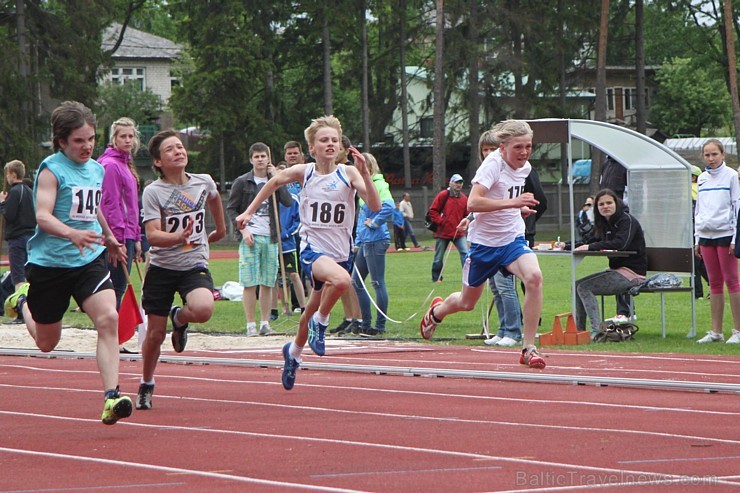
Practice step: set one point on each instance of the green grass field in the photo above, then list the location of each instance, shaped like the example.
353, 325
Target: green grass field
408, 277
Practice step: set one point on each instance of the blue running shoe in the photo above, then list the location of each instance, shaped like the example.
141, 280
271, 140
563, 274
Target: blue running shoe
291, 365
316, 338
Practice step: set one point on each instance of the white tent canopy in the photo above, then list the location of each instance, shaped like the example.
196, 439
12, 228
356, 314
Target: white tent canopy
658, 179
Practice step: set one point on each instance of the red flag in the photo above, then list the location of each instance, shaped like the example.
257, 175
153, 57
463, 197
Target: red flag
129, 315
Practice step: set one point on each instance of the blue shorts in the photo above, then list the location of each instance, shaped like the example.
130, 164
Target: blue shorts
483, 262
308, 257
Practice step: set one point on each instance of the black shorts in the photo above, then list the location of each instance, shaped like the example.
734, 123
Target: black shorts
160, 286
290, 260
52, 287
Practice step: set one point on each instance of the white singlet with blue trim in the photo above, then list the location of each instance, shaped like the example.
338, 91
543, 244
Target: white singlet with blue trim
327, 212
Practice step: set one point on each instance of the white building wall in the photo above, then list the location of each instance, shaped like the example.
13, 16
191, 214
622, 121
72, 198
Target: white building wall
157, 76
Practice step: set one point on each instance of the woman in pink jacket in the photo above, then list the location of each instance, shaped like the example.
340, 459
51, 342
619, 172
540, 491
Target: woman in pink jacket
120, 200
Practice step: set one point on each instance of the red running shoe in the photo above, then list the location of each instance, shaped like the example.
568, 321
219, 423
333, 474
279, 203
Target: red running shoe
428, 322
532, 358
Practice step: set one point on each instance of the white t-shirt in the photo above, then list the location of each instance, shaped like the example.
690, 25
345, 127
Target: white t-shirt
499, 228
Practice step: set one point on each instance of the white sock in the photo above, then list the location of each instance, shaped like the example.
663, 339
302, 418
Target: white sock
295, 351
147, 383
251, 325
264, 322
321, 318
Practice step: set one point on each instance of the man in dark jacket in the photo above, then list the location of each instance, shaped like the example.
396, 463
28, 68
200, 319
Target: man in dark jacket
447, 210
258, 250
20, 219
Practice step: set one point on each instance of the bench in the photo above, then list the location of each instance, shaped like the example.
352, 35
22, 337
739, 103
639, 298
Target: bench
678, 261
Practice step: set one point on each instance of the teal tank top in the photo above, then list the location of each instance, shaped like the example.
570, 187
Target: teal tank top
79, 188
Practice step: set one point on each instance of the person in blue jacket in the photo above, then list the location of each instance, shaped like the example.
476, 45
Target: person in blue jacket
372, 240
399, 233
290, 222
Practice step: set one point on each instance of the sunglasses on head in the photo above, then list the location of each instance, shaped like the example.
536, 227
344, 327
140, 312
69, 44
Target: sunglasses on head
588, 204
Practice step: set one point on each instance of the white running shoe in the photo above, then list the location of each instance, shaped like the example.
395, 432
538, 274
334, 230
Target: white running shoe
508, 342
251, 330
735, 338
265, 329
711, 337
619, 319
492, 341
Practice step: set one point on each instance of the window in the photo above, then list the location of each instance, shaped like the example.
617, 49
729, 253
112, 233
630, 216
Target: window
610, 99
630, 98
426, 125
124, 75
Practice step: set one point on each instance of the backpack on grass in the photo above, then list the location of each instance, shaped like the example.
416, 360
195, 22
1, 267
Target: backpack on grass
611, 332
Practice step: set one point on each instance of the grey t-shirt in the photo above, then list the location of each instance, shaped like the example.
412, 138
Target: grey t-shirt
176, 206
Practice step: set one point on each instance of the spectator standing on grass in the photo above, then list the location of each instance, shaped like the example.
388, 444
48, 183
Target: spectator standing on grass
350, 304
497, 236
18, 210
120, 200
258, 248
293, 154
407, 209
371, 242
399, 235
174, 209
66, 255
447, 210
614, 229
327, 216
715, 230
290, 222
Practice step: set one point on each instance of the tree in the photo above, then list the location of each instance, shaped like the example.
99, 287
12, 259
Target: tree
117, 100
691, 97
732, 67
438, 163
640, 65
600, 104
224, 79
51, 48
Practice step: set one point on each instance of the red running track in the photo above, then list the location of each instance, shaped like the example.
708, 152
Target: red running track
222, 427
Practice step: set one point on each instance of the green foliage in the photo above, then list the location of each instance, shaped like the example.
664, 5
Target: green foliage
117, 100
690, 98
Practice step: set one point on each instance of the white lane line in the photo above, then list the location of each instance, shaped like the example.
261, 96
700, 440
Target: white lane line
457, 420
175, 470
585, 404
451, 453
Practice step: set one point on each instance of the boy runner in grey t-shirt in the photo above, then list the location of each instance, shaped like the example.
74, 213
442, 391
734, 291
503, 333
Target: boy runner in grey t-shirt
174, 218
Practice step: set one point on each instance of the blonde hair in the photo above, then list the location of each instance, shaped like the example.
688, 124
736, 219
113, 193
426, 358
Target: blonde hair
117, 126
372, 164
323, 121
508, 129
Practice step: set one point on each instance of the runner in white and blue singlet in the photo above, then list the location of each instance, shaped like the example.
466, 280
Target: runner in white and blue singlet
327, 214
